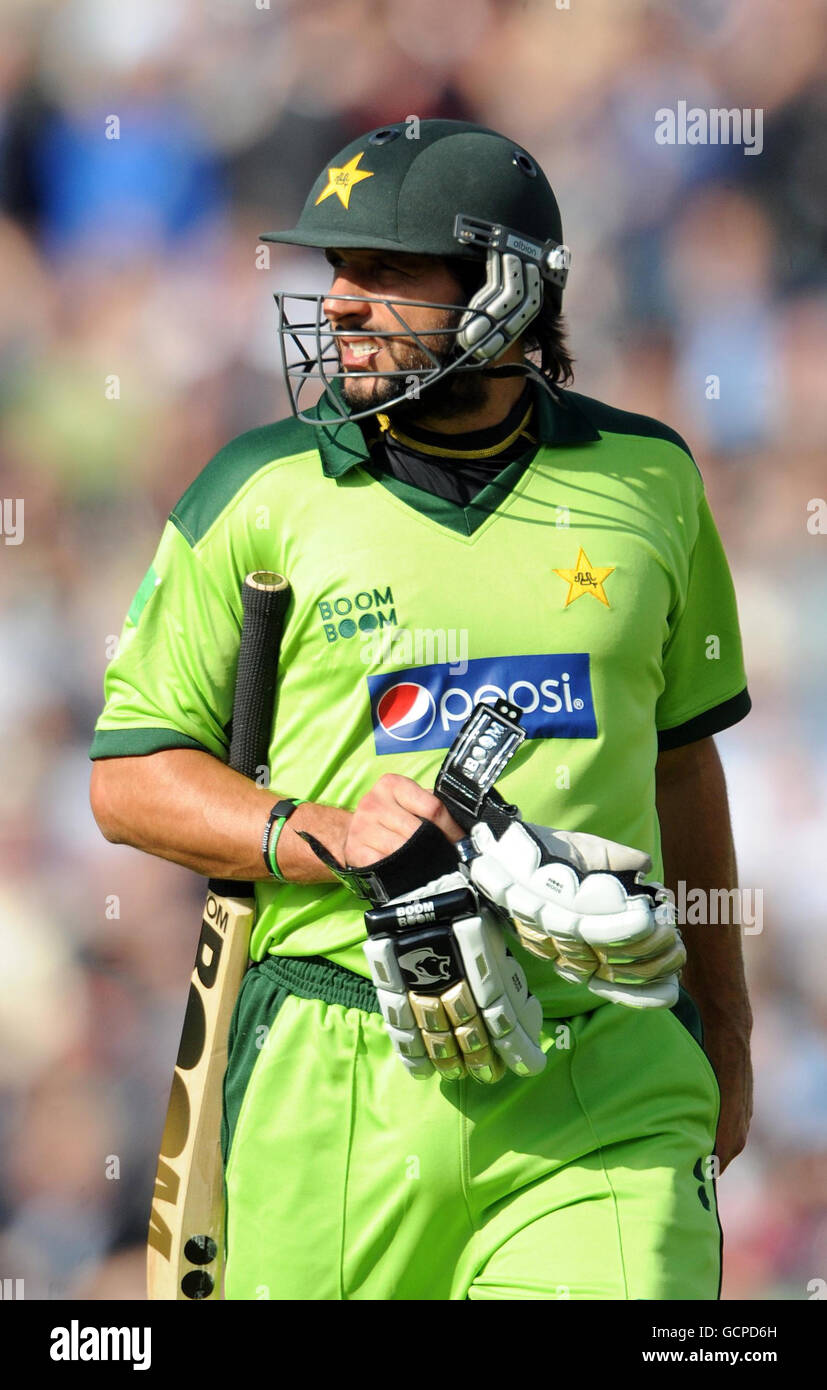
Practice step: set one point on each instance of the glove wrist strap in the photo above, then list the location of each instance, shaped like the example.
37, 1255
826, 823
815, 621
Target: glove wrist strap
427, 855
486, 743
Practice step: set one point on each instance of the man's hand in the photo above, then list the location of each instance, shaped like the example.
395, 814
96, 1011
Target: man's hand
727, 1048
387, 816
453, 997
579, 901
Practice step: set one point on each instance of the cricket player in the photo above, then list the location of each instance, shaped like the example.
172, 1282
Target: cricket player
457, 526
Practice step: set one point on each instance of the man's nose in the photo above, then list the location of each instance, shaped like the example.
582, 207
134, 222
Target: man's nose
335, 306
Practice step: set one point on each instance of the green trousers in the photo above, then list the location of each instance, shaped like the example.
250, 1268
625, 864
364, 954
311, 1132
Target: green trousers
346, 1178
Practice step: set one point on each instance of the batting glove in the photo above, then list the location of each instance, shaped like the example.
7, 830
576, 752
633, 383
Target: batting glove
580, 902
453, 997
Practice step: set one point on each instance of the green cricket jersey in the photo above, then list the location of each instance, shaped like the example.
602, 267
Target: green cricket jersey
587, 583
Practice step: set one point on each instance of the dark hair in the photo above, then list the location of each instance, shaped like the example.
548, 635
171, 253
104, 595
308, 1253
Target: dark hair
545, 335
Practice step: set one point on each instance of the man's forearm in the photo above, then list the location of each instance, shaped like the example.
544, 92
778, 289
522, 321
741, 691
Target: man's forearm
188, 807
697, 848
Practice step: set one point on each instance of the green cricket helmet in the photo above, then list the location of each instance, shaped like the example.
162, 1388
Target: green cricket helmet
439, 188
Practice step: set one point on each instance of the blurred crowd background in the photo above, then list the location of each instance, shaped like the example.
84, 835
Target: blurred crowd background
135, 258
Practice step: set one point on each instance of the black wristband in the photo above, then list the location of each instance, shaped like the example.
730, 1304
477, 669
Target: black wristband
281, 811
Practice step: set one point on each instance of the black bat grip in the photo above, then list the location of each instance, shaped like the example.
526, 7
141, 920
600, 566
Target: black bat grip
264, 598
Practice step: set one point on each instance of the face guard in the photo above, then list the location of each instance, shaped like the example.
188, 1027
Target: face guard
507, 302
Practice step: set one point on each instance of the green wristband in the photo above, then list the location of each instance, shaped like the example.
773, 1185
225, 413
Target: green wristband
274, 828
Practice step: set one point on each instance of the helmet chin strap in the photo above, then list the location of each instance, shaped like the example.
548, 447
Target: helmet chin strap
524, 368
509, 369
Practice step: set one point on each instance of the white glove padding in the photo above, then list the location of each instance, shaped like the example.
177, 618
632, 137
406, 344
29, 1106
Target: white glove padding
453, 997
579, 901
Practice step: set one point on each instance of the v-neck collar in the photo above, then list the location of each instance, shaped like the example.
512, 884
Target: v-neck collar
342, 446
464, 519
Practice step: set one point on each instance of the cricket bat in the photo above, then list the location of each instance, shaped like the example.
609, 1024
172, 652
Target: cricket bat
185, 1255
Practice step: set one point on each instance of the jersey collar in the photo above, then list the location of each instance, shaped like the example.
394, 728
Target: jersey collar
342, 445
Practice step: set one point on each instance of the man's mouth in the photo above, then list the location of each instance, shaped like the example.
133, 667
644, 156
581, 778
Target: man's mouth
358, 352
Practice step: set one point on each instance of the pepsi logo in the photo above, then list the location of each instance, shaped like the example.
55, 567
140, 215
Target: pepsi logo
423, 707
406, 712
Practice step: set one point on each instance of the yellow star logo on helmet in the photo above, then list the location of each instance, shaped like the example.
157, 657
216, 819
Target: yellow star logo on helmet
342, 181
